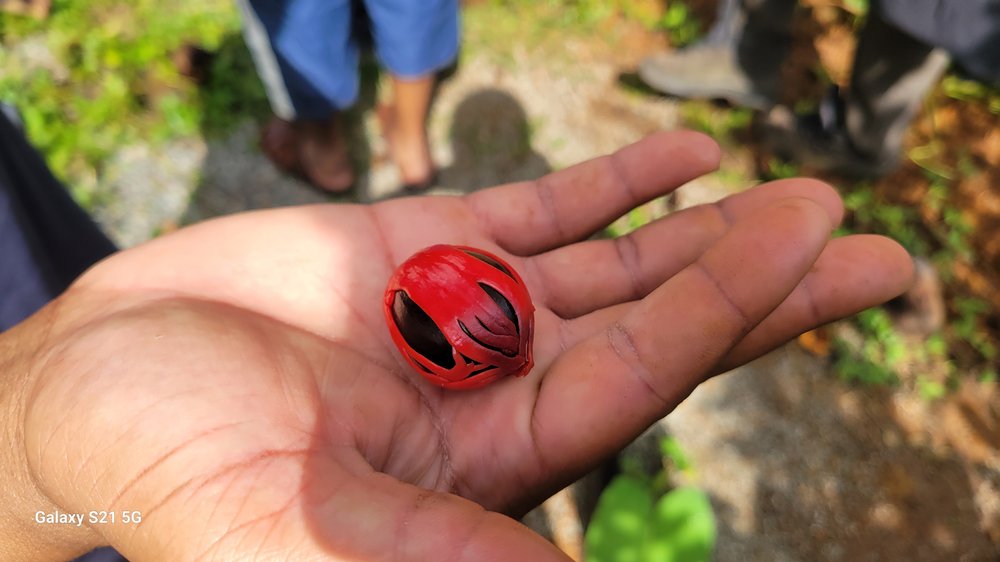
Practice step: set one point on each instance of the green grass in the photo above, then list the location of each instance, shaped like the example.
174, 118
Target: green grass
115, 84
876, 358
490, 26
548, 24
680, 24
963, 89
944, 242
721, 123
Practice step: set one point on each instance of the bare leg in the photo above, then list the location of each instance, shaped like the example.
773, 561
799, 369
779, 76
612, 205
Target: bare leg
404, 124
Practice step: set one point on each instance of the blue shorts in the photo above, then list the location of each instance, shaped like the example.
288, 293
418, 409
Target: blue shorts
307, 56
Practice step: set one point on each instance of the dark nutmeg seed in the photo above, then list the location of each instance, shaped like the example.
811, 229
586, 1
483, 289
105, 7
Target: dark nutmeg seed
503, 303
491, 262
420, 331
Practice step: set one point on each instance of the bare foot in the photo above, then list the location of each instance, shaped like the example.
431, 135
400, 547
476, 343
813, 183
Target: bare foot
315, 151
409, 150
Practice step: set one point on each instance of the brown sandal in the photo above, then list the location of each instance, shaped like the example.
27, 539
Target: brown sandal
283, 144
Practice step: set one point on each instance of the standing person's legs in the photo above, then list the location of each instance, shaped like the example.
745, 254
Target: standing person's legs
739, 60
413, 39
892, 74
763, 45
308, 62
862, 135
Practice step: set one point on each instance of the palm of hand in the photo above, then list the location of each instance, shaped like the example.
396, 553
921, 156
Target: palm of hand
257, 403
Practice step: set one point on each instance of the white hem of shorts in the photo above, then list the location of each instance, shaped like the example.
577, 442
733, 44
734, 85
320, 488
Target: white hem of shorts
267, 62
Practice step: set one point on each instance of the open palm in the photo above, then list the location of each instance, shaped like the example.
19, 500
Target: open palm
235, 383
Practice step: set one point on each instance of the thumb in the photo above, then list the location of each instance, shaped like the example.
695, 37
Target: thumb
337, 513
380, 518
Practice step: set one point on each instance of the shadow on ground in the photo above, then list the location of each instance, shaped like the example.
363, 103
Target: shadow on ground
836, 472
491, 143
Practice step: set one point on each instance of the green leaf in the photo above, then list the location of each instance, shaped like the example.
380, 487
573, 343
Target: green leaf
930, 390
682, 528
676, 16
628, 527
619, 526
671, 449
857, 7
937, 346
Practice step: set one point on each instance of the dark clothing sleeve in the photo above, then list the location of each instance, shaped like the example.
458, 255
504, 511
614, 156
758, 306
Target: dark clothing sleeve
46, 239
968, 29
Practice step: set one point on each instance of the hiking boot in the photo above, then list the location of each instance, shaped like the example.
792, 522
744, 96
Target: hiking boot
707, 70
820, 142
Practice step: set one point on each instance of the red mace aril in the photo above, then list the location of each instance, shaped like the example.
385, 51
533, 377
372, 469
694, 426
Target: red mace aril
460, 316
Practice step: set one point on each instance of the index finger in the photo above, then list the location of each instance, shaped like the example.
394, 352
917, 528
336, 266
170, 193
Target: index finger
566, 206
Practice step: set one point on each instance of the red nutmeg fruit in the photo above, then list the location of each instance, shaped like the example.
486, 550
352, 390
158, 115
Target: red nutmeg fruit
460, 316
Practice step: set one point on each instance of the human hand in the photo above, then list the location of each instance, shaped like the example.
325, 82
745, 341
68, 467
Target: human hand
234, 382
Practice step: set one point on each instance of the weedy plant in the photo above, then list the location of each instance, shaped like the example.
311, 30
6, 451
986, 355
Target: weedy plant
882, 354
643, 519
98, 76
680, 24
